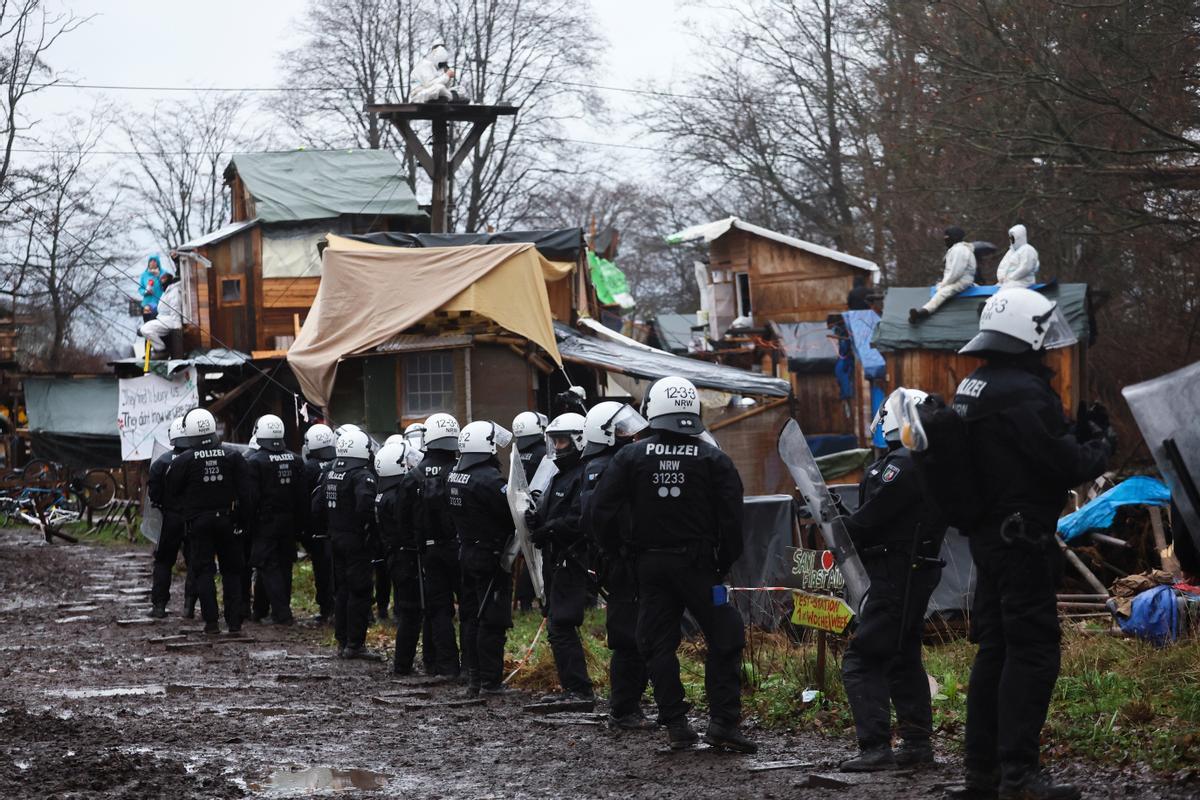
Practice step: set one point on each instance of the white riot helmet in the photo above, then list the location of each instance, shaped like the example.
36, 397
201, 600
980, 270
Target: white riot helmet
415, 435
320, 442
889, 416
175, 431
564, 437
343, 428
269, 432
479, 441
441, 432
253, 443
392, 462
354, 444
673, 404
528, 427
608, 422
1019, 320
199, 427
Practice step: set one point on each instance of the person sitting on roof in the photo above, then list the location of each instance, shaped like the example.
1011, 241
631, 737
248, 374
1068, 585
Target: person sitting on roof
958, 275
170, 315
859, 298
151, 287
433, 79
1018, 268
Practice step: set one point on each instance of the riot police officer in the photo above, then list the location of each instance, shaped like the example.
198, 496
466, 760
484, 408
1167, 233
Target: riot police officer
1021, 459
607, 428
897, 531
529, 432
392, 463
685, 497
320, 452
556, 528
485, 528
423, 506
170, 538
208, 480
349, 517
279, 503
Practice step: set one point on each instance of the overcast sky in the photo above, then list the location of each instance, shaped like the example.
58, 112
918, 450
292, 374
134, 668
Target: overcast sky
235, 43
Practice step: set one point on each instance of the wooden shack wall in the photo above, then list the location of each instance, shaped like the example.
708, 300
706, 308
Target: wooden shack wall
941, 371
282, 299
751, 442
791, 285
819, 405
231, 325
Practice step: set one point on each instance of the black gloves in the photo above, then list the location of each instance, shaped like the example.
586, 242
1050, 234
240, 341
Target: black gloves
1094, 423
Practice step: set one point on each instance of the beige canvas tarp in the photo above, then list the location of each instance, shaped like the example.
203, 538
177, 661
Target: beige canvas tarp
369, 293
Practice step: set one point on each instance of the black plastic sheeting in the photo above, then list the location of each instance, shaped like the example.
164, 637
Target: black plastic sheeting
555, 245
649, 365
808, 345
77, 450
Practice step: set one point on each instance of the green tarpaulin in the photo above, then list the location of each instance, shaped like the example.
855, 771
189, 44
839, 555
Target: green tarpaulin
956, 322
609, 282
321, 184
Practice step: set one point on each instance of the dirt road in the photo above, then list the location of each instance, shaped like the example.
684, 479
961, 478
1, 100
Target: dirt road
94, 706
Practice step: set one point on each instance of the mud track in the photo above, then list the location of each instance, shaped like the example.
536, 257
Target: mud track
94, 708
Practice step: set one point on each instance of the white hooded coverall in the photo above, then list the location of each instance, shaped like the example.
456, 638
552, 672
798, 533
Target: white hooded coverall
958, 275
1019, 266
170, 318
429, 83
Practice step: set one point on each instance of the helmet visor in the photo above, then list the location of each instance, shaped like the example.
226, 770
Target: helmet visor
627, 423
501, 436
1058, 331
912, 432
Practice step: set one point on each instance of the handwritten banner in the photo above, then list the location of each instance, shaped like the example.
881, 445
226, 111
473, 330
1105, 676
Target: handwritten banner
814, 571
820, 612
146, 406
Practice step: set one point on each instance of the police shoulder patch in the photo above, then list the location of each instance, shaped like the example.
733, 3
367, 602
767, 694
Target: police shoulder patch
889, 473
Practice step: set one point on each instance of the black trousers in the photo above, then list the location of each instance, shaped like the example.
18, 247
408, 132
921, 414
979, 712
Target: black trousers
352, 576
210, 536
566, 599
882, 665
524, 591
317, 548
383, 587
668, 585
626, 668
1014, 620
443, 583
485, 614
272, 554
170, 541
405, 567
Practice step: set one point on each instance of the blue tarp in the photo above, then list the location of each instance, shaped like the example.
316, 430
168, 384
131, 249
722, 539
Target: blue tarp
1154, 616
862, 326
1099, 513
983, 291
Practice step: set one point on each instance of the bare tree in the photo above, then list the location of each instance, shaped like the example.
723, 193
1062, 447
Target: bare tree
64, 253
533, 55
27, 33
180, 152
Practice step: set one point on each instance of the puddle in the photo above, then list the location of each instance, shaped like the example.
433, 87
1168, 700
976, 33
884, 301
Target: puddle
124, 691
79, 618
266, 655
319, 780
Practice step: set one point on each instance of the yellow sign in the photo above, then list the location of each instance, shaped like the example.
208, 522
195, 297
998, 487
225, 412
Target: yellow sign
820, 612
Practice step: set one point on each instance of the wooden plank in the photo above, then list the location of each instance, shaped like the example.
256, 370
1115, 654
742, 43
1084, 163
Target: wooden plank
1166, 554
290, 293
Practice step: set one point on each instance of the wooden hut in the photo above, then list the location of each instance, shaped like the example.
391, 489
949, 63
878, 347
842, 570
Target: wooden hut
925, 355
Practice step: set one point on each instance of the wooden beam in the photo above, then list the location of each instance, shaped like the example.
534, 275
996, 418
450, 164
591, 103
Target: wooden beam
723, 423
472, 138
415, 146
236, 392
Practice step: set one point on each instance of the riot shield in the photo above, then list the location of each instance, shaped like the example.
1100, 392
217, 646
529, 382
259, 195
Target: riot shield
796, 455
518, 500
1166, 409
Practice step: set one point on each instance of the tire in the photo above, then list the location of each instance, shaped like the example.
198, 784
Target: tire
99, 489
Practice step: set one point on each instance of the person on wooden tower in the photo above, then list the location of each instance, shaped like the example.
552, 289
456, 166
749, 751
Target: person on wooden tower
957, 276
433, 79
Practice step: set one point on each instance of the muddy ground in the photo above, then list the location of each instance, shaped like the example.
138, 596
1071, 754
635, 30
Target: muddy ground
91, 707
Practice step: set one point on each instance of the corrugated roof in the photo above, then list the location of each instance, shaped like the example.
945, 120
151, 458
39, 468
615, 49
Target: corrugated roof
320, 184
956, 322
223, 232
675, 331
709, 231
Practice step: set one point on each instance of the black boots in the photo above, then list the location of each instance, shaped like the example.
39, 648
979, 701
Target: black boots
681, 735
1036, 785
871, 759
729, 738
914, 753
159, 611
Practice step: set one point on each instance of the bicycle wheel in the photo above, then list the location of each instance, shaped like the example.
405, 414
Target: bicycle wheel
99, 489
40, 472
